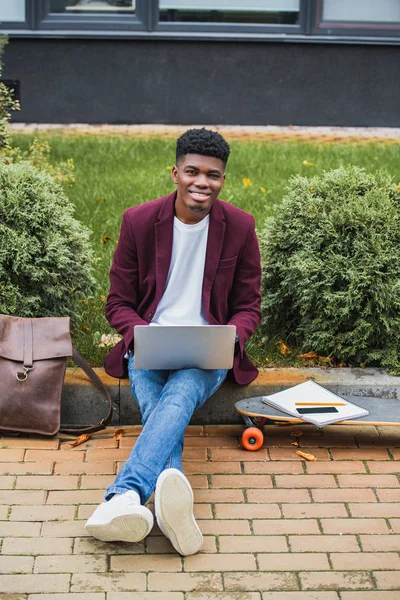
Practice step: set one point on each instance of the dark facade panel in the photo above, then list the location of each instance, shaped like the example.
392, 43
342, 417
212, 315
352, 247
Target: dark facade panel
187, 82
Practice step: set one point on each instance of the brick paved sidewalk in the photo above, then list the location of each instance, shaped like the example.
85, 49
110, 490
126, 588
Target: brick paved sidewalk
276, 527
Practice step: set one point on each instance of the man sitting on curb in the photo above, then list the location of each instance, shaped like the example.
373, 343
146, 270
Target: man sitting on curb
189, 259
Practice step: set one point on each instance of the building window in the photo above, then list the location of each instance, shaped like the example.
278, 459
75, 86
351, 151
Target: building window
360, 14
274, 12
82, 7
12, 11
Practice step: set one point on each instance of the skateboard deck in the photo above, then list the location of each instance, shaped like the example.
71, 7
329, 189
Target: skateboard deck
256, 413
381, 411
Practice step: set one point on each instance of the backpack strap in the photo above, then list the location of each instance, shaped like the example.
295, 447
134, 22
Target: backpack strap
100, 385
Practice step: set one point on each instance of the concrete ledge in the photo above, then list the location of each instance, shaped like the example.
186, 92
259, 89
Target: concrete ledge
83, 404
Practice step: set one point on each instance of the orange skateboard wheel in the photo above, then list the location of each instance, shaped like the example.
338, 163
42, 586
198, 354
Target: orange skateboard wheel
252, 439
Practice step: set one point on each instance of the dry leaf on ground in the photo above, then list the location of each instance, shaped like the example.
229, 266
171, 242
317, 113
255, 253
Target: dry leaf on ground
295, 443
81, 440
308, 355
284, 350
118, 434
306, 455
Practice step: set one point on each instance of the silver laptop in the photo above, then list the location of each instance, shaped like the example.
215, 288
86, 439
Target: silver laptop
184, 346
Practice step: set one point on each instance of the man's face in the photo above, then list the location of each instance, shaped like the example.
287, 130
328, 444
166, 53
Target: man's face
199, 179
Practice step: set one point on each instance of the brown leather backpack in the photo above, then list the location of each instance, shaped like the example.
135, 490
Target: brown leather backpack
33, 359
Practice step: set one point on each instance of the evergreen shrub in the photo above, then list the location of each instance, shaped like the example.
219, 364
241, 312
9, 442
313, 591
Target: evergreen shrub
331, 267
45, 255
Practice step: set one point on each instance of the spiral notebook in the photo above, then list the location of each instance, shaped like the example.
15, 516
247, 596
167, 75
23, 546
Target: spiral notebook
312, 402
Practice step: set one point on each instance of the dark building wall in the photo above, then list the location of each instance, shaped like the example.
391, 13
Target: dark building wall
203, 82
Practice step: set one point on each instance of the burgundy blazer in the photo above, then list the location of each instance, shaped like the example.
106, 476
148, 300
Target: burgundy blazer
231, 283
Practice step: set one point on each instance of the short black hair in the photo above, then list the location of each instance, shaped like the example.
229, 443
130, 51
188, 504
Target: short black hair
202, 141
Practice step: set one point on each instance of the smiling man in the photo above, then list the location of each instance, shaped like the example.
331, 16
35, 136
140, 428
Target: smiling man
184, 259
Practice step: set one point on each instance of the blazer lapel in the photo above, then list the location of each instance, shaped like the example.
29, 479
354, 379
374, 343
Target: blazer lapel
164, 228
215, 241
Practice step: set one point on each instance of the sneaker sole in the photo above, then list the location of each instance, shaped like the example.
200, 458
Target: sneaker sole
174, 502
127, 528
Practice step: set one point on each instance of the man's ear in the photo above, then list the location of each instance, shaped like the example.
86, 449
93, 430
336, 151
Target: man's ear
174, 174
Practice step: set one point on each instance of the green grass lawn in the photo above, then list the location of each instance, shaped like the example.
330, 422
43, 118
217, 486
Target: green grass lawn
116, 172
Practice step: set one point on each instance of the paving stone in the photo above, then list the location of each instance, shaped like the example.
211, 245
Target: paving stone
385, 481
247, 511
377, 509
355, 526
146, 563
381, 595
34, 583
343, 495
335, 466
16, 564
252, 543
316, 510
76, 468
300, 596
10, 454
224, 527
387, 580
161, 545
279, 495
25, 497
108, 582
144, 596
313, 561
70, 564
92, 546
42, 513
324, 543
69, 596
50, 482
336, 581
223, 596
44, 467
37, 546
7, 482
365, 561
241, 481
245, 582
285, 526
220, 562
380, 543
18, 529
391, 466
60, 456
186, 582
271, 467
31, 442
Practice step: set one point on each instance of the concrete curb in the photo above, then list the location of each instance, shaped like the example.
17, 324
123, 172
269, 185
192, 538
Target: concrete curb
83, 404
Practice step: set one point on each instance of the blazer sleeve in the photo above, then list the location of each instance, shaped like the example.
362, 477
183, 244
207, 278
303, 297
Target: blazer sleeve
123, 297
245, 298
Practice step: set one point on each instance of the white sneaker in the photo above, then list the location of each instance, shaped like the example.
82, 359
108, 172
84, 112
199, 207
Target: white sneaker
174, 512
121, 519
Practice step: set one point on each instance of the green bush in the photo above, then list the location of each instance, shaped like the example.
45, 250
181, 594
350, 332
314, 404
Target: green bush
45, 256
331, 267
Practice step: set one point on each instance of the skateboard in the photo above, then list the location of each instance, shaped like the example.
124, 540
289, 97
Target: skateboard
255, 413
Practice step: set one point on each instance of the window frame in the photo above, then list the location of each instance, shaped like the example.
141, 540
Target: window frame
47, 20
352, 28
145, 24
229, 28
27, 24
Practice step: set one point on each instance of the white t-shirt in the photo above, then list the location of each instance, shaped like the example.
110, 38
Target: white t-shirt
181, 302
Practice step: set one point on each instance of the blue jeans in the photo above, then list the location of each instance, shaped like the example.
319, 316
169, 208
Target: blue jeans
167, 401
